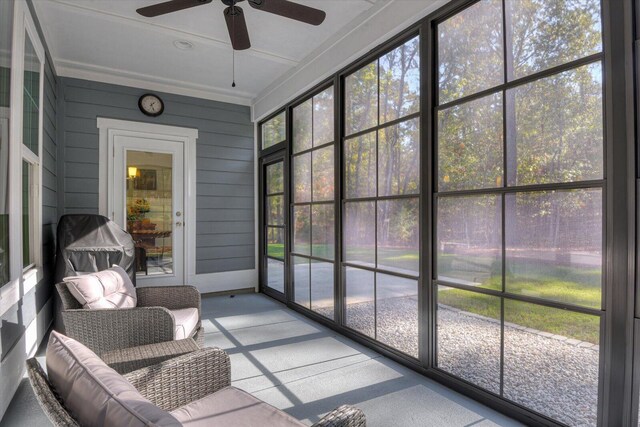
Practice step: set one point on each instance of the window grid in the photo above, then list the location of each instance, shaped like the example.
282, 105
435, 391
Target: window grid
502, 192
375, 269
309, 204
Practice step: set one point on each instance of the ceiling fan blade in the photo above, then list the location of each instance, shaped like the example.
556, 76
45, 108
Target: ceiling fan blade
291, 10
237, 28
169, 6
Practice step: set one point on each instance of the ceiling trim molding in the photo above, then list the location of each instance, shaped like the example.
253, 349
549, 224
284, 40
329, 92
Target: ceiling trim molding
96, 73
179, 34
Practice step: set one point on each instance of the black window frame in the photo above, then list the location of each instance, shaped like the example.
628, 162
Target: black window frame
291, 155
617, 406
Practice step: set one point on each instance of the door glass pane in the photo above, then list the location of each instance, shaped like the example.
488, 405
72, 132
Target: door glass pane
470, 53
275, 210
275, 242
468, 334
360, 302
6, 31
275, 174
548, 33
31, 101
275, 274
551, 360
149, 197
554, 245
557, 135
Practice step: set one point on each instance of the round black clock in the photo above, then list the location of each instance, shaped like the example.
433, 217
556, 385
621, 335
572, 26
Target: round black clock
151, 105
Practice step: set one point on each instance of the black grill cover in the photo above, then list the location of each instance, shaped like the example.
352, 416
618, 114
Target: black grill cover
89, 243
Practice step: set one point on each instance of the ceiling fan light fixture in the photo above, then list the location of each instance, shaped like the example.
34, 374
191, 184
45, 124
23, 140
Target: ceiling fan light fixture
183, 44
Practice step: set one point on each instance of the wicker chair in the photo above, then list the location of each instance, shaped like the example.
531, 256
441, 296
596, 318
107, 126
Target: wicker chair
172, 384
150, 322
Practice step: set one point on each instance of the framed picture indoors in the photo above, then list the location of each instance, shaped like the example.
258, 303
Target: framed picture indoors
147, 180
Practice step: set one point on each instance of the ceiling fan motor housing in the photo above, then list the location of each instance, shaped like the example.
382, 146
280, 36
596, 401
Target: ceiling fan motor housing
231, 2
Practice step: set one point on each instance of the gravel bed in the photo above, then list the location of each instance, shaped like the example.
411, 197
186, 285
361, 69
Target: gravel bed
558, 378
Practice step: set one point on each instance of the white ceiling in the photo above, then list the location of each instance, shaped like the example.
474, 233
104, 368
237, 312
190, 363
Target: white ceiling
106, 40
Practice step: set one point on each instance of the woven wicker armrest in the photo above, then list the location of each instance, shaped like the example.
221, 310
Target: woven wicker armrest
47, 397
111, 329
343, 416
129, 359
176, 382
171, 297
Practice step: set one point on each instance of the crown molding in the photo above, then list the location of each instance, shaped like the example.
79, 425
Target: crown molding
114, 76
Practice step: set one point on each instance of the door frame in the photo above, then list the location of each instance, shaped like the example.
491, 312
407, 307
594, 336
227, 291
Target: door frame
108, 130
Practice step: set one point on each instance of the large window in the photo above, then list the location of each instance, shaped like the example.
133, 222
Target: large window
519, 202
381, 209
477, 230
313, 201
31, 128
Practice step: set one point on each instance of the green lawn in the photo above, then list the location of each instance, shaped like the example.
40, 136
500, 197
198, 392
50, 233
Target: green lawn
275, 250
561, 322
569, 285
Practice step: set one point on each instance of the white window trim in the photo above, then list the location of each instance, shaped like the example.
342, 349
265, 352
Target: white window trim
108, 130
22, 281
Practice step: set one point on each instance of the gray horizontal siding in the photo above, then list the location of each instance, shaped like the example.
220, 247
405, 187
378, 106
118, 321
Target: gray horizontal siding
225, 166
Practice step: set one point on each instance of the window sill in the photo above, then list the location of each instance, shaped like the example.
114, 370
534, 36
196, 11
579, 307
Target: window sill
31, 276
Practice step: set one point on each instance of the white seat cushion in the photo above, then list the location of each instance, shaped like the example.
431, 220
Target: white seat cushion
232, 407
95, 394
186, 321
110, 288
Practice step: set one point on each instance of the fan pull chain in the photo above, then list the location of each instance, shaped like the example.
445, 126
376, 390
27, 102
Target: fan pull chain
233, 50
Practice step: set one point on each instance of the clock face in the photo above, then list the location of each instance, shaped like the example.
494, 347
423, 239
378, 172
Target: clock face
151, 105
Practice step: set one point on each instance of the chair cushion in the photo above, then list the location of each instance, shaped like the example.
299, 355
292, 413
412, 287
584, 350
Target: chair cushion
95, 394
186, 322
232, 407
110, 288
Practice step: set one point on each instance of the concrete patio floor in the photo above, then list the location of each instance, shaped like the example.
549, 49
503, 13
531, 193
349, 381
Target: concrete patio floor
307, 370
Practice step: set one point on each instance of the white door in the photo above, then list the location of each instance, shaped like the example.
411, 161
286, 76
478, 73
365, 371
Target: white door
148, 201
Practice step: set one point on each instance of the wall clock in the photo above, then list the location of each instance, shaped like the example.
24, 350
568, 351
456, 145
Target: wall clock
151, 105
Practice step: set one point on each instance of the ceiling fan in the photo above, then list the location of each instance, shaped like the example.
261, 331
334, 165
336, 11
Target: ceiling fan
234, 16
